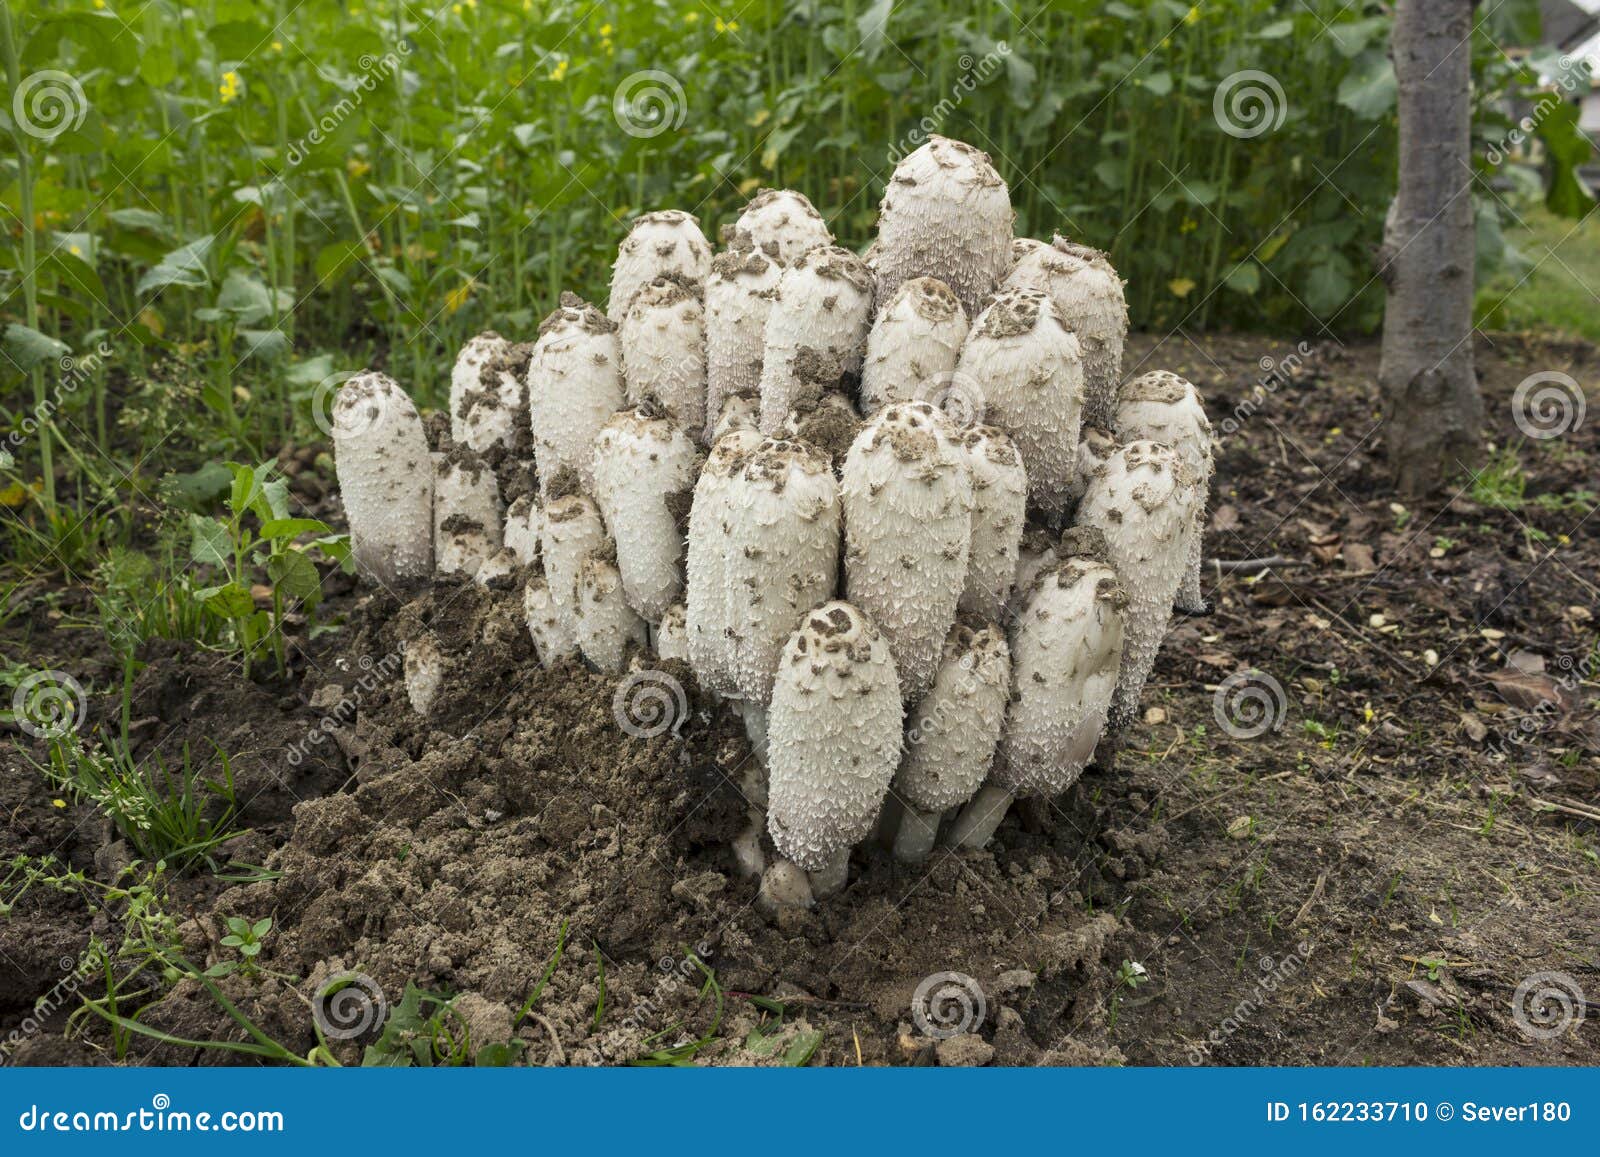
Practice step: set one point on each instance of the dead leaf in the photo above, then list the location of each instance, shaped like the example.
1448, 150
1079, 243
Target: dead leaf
1528, 691
1225, 517
1359, 556
1474, 727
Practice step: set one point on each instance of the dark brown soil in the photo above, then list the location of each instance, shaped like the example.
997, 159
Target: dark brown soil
1369, 881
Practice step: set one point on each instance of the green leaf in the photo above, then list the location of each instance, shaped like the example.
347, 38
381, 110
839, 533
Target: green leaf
290, 528
237, 39
231, 601
873, 26
294, 576
264, 344
1244, 277
246, 297
262, 927
1159, 83
1569, 148
183, 266
210, 542
28, 347
1369, 89
333, 260
1277, 30
802, 1048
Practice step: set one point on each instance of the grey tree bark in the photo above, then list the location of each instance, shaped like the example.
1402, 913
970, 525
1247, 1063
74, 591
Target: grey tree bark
1432, 409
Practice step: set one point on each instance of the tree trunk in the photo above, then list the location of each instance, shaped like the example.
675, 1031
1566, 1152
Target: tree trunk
1433, 413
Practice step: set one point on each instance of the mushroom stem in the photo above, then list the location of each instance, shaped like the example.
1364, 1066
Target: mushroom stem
915, 835
976, 824
784, 885
748, 857
755, 728
832, 878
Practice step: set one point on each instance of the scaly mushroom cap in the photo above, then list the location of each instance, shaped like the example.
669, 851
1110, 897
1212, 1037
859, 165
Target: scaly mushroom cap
572, 531
644, 468
951, 735
554, 633
425, 671
816, 331
781, 223
1088, 296
738, 298
833, 735
999, 512
484, 395
672, 635
738, 413
524, 525
608, 628
1066, 650
913, 346
1095, 447
663, 340
574, 386
947, 214
467, 523
907, 498
385, 479
1163, 407
666, 242
1028, 378
1021, 247
780, 544
711, 517
1144, 504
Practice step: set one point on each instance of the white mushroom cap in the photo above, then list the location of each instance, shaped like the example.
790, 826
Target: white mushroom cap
485, 395
1066, 650
1095, 447
1026, 371
1144, 504
833, 736
783, 224
706, 604
665, 242
644, 468
913, 346
999, 513
608, 628
385, 479
467, 523
663, 340
816, 331
952, 733
672, 634
554, 633
425, 672
738, 298
1088, 296
574, 386
947, 214
524, 526
907, 497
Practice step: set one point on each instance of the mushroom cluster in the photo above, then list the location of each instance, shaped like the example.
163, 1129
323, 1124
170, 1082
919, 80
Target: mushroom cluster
898, 510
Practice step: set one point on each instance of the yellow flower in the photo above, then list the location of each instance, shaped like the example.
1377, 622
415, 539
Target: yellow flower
458, 296
733, 26
1192, 15
559, 72
1189, 225
609, 47
74, 250
98, 4
229, 88
1181, 286
62, 802
455, 9
606, 30
277, 46
721, 25
691, 17
357, 168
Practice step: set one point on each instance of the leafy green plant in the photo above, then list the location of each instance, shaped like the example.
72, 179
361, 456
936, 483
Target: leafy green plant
246, 938
424, 1030
259, 533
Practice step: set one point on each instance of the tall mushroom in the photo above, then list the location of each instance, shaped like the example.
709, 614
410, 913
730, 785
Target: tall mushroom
913, 345
385, 479
947, 214
1163, 407
664, 242
999, 513
833, 740
466, 513
816, 331
574, 386
739, 296
644, 468
663, 340
908, 533
780, 223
